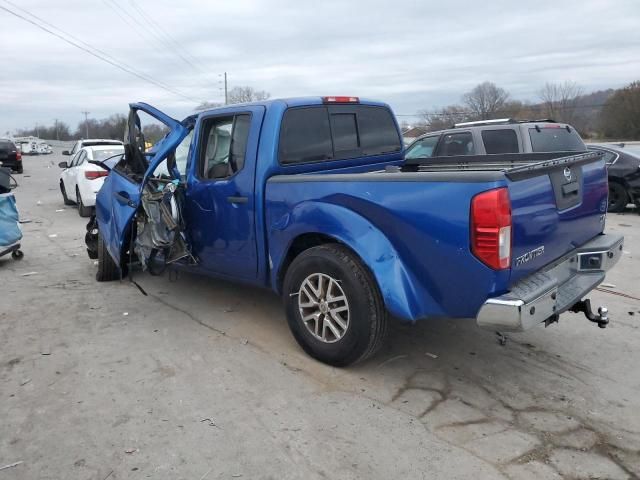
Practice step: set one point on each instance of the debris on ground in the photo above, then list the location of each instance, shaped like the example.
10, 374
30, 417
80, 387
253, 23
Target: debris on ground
244, 341
28, 274
392, 359
211, 422
125, 314
432, 355
53, 235
60, 210
131, 450
25, 381
11, 465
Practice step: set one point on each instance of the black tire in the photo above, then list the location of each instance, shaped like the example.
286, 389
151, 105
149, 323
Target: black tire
367, 316
65, 199
82, 210
618, 197
107, 269
17, 255
20, 169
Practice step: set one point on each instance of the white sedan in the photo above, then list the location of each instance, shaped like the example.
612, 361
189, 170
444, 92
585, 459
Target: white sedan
80, 180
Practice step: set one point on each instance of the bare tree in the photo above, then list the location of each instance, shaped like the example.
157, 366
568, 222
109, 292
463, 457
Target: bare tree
207, 106
246, 94
485, 100
444, 117
559, 100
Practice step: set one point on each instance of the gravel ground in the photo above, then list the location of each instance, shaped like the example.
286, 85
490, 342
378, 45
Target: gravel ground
200, 379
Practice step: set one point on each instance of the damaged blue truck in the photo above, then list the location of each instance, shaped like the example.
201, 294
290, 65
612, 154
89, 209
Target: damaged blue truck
312, 198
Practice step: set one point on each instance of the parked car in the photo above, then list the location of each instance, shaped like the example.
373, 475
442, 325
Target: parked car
28, 147
10, 156
311, 198
90, 142
501, 136
81, 180
624, 173
44, 149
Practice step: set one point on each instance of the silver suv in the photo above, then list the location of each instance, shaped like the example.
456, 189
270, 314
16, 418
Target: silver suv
495, 137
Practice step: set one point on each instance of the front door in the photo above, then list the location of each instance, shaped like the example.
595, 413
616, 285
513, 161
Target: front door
220, 212
119, 197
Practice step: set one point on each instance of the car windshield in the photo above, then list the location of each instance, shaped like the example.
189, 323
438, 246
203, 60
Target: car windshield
103, 154
555, 139
633, 150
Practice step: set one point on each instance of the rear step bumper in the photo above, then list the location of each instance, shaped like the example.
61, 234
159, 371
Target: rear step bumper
553, 290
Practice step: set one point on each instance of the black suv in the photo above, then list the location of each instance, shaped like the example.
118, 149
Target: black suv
10, 156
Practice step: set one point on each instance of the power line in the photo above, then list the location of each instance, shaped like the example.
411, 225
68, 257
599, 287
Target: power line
98, 55
111, 57
170, 41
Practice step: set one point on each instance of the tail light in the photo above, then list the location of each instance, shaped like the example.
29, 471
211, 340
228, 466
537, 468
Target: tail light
18, 155
93, 175
491, 228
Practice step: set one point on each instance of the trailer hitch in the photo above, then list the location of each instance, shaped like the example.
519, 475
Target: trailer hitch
584, 306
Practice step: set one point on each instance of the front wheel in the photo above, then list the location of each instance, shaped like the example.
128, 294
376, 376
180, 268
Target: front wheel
334, 308
65, 199
107, 269
618, 197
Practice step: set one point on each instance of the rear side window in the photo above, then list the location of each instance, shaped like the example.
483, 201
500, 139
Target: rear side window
321, 133
500, 141
378, 133
455, 144
555, 139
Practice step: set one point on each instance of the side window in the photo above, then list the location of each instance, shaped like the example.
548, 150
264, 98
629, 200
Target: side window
305, 136
500, 141
182, 153
378, 132
224, 147
422, 148
81, 158
456, 144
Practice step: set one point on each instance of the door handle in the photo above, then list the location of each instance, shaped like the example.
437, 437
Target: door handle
123, 199
237, 199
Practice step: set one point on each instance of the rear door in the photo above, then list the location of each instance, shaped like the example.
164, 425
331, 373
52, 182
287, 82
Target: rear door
118, 199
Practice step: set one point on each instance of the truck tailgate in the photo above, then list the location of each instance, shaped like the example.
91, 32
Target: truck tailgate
555, 210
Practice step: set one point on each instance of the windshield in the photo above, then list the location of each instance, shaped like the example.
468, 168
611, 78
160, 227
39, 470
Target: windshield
555, 139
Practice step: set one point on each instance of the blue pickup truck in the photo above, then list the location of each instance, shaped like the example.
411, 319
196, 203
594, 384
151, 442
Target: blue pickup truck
312, 198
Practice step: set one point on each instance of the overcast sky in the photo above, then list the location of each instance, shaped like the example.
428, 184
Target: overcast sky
412, 54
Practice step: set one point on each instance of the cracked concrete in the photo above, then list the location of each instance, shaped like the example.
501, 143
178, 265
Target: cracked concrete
202, 378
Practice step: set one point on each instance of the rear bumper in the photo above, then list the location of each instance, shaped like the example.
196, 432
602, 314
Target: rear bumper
554, 289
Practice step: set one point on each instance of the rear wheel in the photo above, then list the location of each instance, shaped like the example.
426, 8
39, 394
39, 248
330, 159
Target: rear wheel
82, 210
618, 197
107, 268
20, 169
333, 305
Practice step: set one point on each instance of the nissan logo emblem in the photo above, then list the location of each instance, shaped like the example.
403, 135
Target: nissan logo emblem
567, 173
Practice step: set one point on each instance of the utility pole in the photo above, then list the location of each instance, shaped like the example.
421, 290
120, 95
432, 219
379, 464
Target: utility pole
226, 93
86, 123
56, 123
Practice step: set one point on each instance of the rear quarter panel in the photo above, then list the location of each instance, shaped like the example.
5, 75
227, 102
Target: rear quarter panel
412, 235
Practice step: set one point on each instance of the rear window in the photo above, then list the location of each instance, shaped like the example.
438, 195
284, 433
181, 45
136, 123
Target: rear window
555, 139
104, 154
504, 140
313, 134
6, 145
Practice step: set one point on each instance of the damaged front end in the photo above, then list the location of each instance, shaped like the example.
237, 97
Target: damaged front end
160, 230
139, 207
